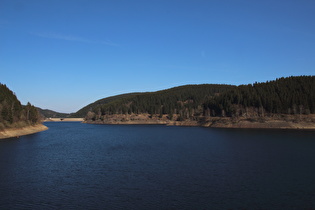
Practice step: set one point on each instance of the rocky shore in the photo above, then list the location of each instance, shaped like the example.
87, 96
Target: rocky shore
262, 123
17, 132
274, 122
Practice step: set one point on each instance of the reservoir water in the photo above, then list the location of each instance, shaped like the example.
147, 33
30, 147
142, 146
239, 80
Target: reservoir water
82, 166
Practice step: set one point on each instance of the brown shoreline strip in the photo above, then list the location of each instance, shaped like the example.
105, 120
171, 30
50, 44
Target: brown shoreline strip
17, 132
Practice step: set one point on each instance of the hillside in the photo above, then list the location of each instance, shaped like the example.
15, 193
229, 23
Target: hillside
83, 112
290, 99
291, 95
46, 113
181, 101
12, 113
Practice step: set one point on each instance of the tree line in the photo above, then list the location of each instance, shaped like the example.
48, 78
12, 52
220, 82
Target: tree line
291, 95
183, 102
13, 113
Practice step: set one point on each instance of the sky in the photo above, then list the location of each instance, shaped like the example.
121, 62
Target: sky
64, 54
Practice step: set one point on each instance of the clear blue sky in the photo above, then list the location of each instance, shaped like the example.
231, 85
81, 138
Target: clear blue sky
65, 54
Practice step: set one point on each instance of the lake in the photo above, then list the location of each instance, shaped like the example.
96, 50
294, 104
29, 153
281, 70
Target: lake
82, 166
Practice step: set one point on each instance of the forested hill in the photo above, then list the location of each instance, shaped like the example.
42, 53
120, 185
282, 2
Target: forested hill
184, 100
12, 113
83, 112
291, 95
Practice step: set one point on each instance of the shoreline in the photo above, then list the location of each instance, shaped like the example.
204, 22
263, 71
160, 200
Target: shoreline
280, 125
64, 120
271, 124
282, 122
17, 132
288, 126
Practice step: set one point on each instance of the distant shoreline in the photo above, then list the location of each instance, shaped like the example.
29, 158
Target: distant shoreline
280, 122
242, 125
267, 123
17, 132
64, 120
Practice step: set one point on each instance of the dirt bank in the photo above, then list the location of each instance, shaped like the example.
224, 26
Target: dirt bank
16, 132
276, 122
64, 120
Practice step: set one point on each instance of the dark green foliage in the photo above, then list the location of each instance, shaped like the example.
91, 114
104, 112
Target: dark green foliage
185, 101
32, 114
12, 113
83, 112
292, 95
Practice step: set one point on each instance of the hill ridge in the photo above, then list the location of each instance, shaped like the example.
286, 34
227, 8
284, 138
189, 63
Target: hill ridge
284, 96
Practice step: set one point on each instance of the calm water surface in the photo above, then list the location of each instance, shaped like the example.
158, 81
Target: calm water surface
82, 166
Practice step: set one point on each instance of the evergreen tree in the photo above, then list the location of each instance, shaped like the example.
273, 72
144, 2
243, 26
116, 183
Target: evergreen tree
12, 113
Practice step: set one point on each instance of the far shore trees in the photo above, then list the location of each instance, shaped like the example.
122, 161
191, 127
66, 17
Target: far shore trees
291, 95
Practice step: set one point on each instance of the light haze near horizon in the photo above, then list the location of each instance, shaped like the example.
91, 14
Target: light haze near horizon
63, 55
